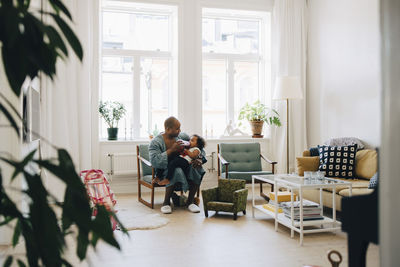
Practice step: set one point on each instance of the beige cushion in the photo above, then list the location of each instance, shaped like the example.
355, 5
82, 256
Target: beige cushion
366, 163
307, 164
355, 192
356, 183
306, 153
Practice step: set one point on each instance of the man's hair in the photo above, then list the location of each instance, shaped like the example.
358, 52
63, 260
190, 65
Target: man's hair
201, 143
170, 122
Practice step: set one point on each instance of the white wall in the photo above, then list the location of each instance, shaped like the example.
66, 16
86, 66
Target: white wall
343, 70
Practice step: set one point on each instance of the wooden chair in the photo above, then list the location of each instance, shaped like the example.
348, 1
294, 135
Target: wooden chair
241, 161
146, 174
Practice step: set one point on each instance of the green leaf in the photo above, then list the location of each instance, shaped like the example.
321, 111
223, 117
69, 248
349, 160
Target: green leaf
11, 106
17, 233
21, 263
83, 243
58, 5
102, 226
56, 39
8, 261
9, 118
15, 76
19, 167
69, 35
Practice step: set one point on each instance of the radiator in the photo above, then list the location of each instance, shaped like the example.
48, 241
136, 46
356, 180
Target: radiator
125, 164
121, 164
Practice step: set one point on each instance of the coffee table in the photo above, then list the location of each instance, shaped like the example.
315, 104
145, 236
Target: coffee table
294, 182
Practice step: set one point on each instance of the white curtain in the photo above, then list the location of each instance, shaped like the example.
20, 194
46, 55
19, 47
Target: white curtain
289, 35
66, 101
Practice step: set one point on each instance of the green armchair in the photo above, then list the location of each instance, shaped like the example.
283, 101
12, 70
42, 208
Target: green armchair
229, 196
241, 161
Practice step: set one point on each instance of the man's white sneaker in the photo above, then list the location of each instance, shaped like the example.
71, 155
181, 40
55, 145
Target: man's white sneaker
193, 208
166, 209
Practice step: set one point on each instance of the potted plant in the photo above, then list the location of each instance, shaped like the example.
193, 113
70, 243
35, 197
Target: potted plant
257, 114
112, 112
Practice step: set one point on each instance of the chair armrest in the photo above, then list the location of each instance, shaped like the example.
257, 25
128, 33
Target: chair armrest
268, 160
145, 161
209, 195
223, 161
240, 199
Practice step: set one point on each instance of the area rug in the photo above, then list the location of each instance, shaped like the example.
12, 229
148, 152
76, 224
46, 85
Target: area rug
141, 221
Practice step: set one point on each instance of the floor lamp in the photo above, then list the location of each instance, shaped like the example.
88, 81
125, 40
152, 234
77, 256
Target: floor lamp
287, 87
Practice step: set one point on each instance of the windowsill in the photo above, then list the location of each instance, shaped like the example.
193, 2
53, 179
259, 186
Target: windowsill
145, 140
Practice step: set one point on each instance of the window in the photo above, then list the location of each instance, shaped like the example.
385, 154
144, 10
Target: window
138, 65
236, 65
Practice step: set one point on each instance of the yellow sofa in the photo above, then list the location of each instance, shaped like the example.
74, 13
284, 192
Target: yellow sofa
366, 167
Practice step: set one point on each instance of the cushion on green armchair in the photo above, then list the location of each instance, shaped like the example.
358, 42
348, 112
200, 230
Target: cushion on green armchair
226, 187
242, 157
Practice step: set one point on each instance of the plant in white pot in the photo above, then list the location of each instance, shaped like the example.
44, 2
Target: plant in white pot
258, 113
112, 112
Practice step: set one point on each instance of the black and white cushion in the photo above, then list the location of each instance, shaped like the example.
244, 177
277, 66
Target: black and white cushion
338, 161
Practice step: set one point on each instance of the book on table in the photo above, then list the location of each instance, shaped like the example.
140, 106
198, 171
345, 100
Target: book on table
271, 207
282, 196
311, 210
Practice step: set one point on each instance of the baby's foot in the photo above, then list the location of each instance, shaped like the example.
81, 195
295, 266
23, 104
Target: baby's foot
163, 182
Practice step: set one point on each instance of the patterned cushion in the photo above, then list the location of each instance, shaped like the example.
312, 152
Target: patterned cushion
226, 187
338, 161
373, 183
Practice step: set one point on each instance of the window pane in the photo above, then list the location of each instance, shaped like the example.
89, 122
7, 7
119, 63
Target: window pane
214, 97
135, 31
246, 87
154, 94
230, 36
117, 85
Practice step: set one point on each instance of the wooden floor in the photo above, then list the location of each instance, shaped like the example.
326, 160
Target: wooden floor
193, 240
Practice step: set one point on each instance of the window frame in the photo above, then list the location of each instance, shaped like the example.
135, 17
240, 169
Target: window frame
263, 57
137, 55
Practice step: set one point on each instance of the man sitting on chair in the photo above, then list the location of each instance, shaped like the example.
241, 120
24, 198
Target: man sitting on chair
165, 146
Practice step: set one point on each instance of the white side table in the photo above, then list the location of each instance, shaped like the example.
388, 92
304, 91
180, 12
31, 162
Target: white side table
292, 182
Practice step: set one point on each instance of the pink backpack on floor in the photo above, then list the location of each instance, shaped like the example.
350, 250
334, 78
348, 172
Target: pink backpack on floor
99, 191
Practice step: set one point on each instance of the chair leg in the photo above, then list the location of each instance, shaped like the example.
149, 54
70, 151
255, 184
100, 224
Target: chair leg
262, 194
152, 198
244, 212
235, 216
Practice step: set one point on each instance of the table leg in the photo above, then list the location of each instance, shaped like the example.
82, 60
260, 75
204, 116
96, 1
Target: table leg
252, 192
334, 206
276, 190
321, 202
301, 216
291, 213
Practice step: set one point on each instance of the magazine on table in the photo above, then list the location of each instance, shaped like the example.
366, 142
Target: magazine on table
296, 204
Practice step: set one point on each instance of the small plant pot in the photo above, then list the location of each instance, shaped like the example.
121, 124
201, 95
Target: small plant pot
256, 128
112, 133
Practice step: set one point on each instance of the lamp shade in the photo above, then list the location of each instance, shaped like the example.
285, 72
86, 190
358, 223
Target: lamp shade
287, 87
